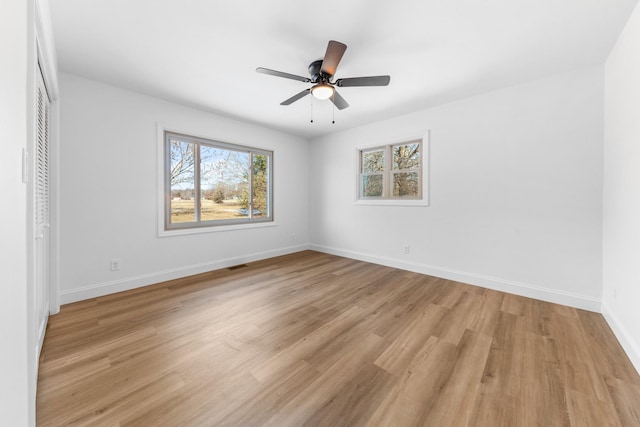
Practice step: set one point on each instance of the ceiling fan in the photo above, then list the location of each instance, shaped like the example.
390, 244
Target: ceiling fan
322, 71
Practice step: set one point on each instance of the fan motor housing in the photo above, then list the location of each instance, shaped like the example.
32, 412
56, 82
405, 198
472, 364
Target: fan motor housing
316, 74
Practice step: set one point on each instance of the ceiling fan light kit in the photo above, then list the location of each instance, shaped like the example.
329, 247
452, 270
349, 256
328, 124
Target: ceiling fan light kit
322, 71
322, 91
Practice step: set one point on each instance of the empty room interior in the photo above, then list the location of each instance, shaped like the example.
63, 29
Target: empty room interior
340, 213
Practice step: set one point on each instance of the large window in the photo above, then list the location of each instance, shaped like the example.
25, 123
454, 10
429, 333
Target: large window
391, 172
210, 183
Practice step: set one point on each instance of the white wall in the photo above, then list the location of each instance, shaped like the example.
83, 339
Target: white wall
17, 387
108, 182
515, 181
621, 229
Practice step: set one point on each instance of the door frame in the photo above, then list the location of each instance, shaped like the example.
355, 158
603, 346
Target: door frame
41, 239
43, 59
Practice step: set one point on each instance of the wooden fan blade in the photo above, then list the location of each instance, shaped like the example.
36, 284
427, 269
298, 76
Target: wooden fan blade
332, 57
295, 97
339, 101
281, 74
364, 81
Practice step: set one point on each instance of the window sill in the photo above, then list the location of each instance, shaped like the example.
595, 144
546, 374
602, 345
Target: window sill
389, 202
214, 229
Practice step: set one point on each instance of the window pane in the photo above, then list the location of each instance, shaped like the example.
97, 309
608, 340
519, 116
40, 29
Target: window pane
224, 183
406, 156
182, 181
405, 184
372, 186
372, 161
261, 185
215, 183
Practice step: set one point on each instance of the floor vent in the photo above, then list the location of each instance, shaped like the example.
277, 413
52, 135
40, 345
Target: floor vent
235, 267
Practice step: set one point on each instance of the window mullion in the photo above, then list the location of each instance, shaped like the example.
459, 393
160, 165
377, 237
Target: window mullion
197, 166
167, 181
388, 166
250, 185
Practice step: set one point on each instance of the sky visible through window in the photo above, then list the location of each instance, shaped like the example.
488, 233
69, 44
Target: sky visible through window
222, 177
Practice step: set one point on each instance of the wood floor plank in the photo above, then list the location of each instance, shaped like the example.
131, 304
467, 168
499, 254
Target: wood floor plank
304, 347
312, 398
626, 398
459, 318
579, 370
403, 349
493, 408
312, 339
266, 401
354, 403
501, 374
583, 409
416, 391
454, 404
486, 316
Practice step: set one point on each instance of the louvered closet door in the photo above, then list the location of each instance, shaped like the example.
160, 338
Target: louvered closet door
41, 204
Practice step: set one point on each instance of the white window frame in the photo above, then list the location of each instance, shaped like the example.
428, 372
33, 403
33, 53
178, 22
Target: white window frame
164, 197
386, 199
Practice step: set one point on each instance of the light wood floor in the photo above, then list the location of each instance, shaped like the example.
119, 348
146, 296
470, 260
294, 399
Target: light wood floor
314, 339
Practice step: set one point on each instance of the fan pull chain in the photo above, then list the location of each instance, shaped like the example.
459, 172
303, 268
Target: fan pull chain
333, 110
311, 104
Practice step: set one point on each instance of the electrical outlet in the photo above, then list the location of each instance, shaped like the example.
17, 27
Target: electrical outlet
406, 249
115, 264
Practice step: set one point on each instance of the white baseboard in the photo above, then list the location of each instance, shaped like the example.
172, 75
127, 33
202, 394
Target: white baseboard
532, 291
42, 329
527, 290
106, 288
630, 346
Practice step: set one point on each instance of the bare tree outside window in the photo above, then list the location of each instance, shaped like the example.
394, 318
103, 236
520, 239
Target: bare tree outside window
182, 170
211, 183
391, 172
406, 165
372, 170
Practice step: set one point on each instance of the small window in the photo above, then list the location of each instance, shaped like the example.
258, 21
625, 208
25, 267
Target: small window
210, 183
391, 172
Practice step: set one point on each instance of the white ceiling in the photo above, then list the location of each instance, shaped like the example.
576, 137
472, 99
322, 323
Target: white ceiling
204, 53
